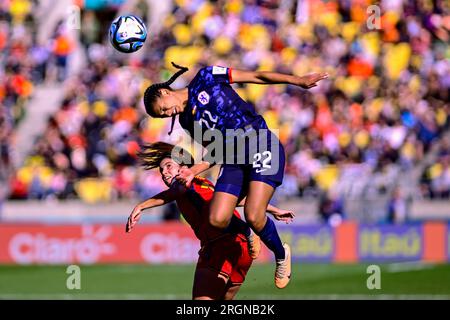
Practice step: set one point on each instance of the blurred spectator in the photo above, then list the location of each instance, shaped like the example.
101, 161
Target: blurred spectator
331, 208
90, 29
398, 207
435, 180
62, 47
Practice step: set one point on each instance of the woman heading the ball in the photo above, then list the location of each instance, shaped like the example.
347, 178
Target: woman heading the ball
223, 258
255, 170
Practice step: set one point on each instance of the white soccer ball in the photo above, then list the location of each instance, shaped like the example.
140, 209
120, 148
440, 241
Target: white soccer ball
127, 33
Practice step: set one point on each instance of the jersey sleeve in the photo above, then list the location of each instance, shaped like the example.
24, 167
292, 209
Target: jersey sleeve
203, 187
217, 74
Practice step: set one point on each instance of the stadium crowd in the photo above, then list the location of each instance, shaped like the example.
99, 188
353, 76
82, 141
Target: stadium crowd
386, 102
24, 63
19, 71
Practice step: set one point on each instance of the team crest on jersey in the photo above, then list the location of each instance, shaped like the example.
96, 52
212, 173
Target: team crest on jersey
203, 97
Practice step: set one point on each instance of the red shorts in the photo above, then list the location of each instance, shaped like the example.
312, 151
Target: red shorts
227, 256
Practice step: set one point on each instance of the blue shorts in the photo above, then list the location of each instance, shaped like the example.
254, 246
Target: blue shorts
266, 165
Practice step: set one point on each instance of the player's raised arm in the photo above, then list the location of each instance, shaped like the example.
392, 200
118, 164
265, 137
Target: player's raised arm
160, 199
264, 77
281, 214
186, 174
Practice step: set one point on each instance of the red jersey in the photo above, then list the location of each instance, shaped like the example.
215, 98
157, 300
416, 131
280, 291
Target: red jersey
194, 206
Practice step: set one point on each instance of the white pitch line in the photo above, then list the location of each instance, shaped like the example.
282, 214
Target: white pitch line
408, 266
351, 297
91, 296
128, 296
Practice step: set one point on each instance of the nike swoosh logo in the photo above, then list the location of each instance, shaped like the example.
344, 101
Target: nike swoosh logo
260, 170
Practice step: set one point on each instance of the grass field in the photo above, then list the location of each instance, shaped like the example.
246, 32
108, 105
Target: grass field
309, 281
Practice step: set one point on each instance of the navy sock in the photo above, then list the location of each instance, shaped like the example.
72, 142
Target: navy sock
271, 239
238, 226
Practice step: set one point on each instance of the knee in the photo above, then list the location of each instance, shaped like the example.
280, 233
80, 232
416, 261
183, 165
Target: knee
255, 217
217, 221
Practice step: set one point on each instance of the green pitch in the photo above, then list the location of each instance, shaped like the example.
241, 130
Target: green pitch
309, 281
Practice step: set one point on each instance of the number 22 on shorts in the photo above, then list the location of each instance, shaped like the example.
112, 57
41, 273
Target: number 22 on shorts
267, 155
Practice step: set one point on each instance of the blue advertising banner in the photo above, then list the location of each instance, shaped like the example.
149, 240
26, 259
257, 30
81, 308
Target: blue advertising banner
309, 243
390, 243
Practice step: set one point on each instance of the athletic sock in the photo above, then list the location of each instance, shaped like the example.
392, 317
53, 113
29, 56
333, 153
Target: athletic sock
238, 226
269, 236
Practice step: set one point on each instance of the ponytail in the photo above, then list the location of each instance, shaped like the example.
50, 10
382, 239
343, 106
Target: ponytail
153, 92
151, 155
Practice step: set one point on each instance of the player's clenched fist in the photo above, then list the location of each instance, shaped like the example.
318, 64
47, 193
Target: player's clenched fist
185, 176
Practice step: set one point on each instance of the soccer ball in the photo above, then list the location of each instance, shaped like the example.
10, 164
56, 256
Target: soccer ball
127, 33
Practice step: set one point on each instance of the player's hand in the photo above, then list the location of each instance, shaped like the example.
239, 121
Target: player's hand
284, 215
310, 80
185, 176
133, 218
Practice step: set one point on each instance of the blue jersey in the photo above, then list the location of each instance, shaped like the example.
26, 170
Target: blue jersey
213, 104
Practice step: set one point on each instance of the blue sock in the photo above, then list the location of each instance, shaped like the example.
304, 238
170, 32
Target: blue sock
238, 226
269, 236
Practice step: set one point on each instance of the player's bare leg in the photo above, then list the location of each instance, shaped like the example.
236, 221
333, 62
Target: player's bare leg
222, 208
209, 285
231, 291
258, 198
221, 212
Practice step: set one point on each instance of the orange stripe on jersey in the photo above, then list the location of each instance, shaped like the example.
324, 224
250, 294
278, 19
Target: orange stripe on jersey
203, 187
204, 183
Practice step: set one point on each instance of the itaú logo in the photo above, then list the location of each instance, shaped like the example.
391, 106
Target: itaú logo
169, 248
28, 248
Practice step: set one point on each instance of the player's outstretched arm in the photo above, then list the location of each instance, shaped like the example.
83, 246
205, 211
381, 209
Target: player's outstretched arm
279, 214
160, 199
264, 77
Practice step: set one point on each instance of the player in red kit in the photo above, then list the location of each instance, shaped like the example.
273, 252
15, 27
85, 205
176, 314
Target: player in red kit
224, 258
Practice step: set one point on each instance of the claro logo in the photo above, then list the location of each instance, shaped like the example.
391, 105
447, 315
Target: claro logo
28, 248
169, 248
